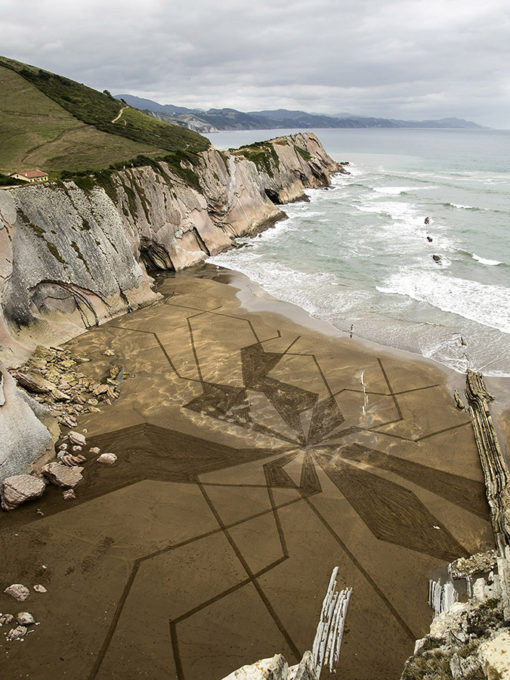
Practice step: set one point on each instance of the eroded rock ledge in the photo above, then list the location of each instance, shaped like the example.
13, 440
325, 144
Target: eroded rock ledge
73, 254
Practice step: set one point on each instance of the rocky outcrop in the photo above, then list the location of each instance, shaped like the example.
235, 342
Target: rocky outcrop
470, 640
23, 434
465, 642
494, 466
277, 668
73, 254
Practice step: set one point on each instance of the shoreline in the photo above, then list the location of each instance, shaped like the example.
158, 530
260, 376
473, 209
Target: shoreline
254, 298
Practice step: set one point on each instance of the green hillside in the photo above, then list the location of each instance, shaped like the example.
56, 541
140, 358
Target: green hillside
56, 124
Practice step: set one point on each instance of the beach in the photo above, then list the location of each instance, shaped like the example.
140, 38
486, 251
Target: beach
258, 448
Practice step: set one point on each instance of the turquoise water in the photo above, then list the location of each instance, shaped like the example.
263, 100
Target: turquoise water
358, 253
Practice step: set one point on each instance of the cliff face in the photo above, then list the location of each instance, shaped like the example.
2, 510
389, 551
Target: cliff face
73, 254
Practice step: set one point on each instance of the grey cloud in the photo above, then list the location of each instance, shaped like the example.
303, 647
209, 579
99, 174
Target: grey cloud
405, 58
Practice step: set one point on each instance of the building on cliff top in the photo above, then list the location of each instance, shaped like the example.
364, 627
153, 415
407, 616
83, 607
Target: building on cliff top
30, 175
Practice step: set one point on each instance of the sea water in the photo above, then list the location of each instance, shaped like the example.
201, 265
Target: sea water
361, 254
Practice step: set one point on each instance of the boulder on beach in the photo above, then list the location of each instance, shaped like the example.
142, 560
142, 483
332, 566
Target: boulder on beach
17, 633
18, 591
19, 489
23, 436
25, 618
61, 475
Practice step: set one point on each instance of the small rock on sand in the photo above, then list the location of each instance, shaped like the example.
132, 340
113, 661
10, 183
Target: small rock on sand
18, 591
6, 619
17, 633
25, 618
95, 450
38, 587
70, 460
61, 475
109, 353
77, 438
21, 488
107, 458
68, 495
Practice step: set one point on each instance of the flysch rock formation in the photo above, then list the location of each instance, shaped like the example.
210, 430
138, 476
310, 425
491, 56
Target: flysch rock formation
73, 254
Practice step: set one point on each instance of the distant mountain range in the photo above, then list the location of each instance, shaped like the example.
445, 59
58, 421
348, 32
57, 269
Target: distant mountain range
230, 119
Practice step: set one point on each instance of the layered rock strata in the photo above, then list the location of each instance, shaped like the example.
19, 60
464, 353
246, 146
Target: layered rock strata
471, 640
73, 254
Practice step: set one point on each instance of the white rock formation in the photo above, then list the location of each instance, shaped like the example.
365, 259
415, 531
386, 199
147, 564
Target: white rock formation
494, 656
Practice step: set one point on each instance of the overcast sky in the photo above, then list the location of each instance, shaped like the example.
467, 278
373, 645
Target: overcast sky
408, 59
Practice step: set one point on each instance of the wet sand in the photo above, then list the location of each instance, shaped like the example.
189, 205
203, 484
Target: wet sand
251, 462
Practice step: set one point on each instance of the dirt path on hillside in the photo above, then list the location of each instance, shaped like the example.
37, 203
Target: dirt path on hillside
117, 117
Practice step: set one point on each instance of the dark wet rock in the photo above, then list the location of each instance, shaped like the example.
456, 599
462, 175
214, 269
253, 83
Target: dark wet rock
19, 489
61, 475
436, 258
18, 591
429, 239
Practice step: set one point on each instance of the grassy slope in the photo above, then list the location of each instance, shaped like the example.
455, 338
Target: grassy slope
57, 124
36, 132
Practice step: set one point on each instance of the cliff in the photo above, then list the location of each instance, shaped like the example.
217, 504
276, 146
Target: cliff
74, 254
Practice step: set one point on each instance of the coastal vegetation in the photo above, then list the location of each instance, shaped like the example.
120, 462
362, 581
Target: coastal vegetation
6, 181
263, 154
60, 125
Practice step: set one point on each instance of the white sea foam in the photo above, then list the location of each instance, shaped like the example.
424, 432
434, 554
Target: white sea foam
484, 260
392, 191
485, 304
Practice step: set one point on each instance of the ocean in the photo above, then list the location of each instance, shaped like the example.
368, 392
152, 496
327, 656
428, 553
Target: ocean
361, 254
